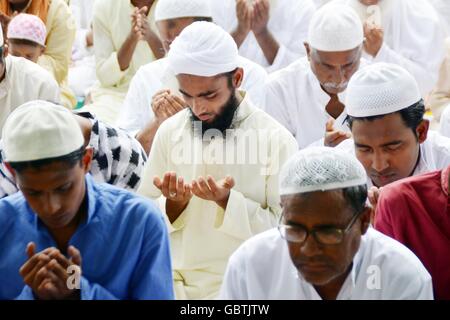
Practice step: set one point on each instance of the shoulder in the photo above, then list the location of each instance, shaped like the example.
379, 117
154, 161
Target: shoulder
394, 259
31, 70
266, 247
10, 208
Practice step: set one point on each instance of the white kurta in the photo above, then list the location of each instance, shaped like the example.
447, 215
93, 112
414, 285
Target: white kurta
383, 269
434, 153
204, 235
444, 128
25, 81
413, 38
112, 25
137, 112
82, 70
289, 22
294, 97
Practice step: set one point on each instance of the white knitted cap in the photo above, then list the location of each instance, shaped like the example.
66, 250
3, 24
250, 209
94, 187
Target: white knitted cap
173, 9
380, 89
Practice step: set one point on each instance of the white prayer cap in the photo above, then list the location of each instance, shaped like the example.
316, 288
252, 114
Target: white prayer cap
173, 9
321, 169
40, 130
203, 49
335, 27
380, 89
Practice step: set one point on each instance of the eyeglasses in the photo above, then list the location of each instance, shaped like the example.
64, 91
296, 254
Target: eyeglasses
325, 235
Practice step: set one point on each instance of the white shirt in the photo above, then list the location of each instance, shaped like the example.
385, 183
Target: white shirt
25, 81
288, 23
261, 269
444, 128
137, 108
294, 97
204, 235
413, 38
434, 153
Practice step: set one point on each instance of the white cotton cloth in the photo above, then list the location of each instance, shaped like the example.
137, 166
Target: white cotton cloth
173, 9
40, 130
203, 49
383, 269
335, 27
380, 89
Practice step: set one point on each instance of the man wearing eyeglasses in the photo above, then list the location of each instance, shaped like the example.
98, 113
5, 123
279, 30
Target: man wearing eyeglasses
324, 247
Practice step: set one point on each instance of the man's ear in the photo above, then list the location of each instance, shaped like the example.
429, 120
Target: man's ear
365, 219
422, 130
308, 50
87, 159
10, 169
238, 77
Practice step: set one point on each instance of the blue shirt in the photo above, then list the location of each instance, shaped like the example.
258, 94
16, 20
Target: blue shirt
123, 243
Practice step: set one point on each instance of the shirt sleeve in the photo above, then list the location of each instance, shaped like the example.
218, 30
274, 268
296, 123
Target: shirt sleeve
244, 217
50, 91
60, 38
294, 48
136, 107
234, 282
152, 278
107, 63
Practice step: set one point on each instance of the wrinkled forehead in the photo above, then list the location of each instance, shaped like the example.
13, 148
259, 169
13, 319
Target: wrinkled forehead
316, 208
336, 57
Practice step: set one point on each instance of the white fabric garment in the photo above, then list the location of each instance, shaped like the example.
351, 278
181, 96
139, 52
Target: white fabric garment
294, 97
434, 153
25, 81
137, 111
444, 128
173, 9
413, 38
112, 25
443, 9
204, 235
261, 269
289, 21
82, 70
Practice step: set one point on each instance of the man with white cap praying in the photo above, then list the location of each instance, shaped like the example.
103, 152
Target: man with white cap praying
125, 39
404, 32
391, 138
324, 247
153, 95
268, 32
64, 236
117, 159
307, 97
213, 166
22, 81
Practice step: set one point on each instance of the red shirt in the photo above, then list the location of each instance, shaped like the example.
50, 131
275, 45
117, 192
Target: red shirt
416, 212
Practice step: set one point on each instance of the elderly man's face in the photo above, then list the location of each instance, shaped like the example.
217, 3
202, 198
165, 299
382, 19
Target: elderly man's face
387, 148
55, 191
210, 99
170, 29
320, 264
334, 69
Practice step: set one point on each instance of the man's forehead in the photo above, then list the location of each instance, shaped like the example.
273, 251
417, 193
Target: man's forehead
197, 85
338, 57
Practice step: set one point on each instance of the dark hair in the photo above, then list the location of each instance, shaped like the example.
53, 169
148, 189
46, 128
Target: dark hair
24, 42
229, 75
356, 197
412, 116
70, 160
207, 19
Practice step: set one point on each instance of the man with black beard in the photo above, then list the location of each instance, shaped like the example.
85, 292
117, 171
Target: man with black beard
214, 166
